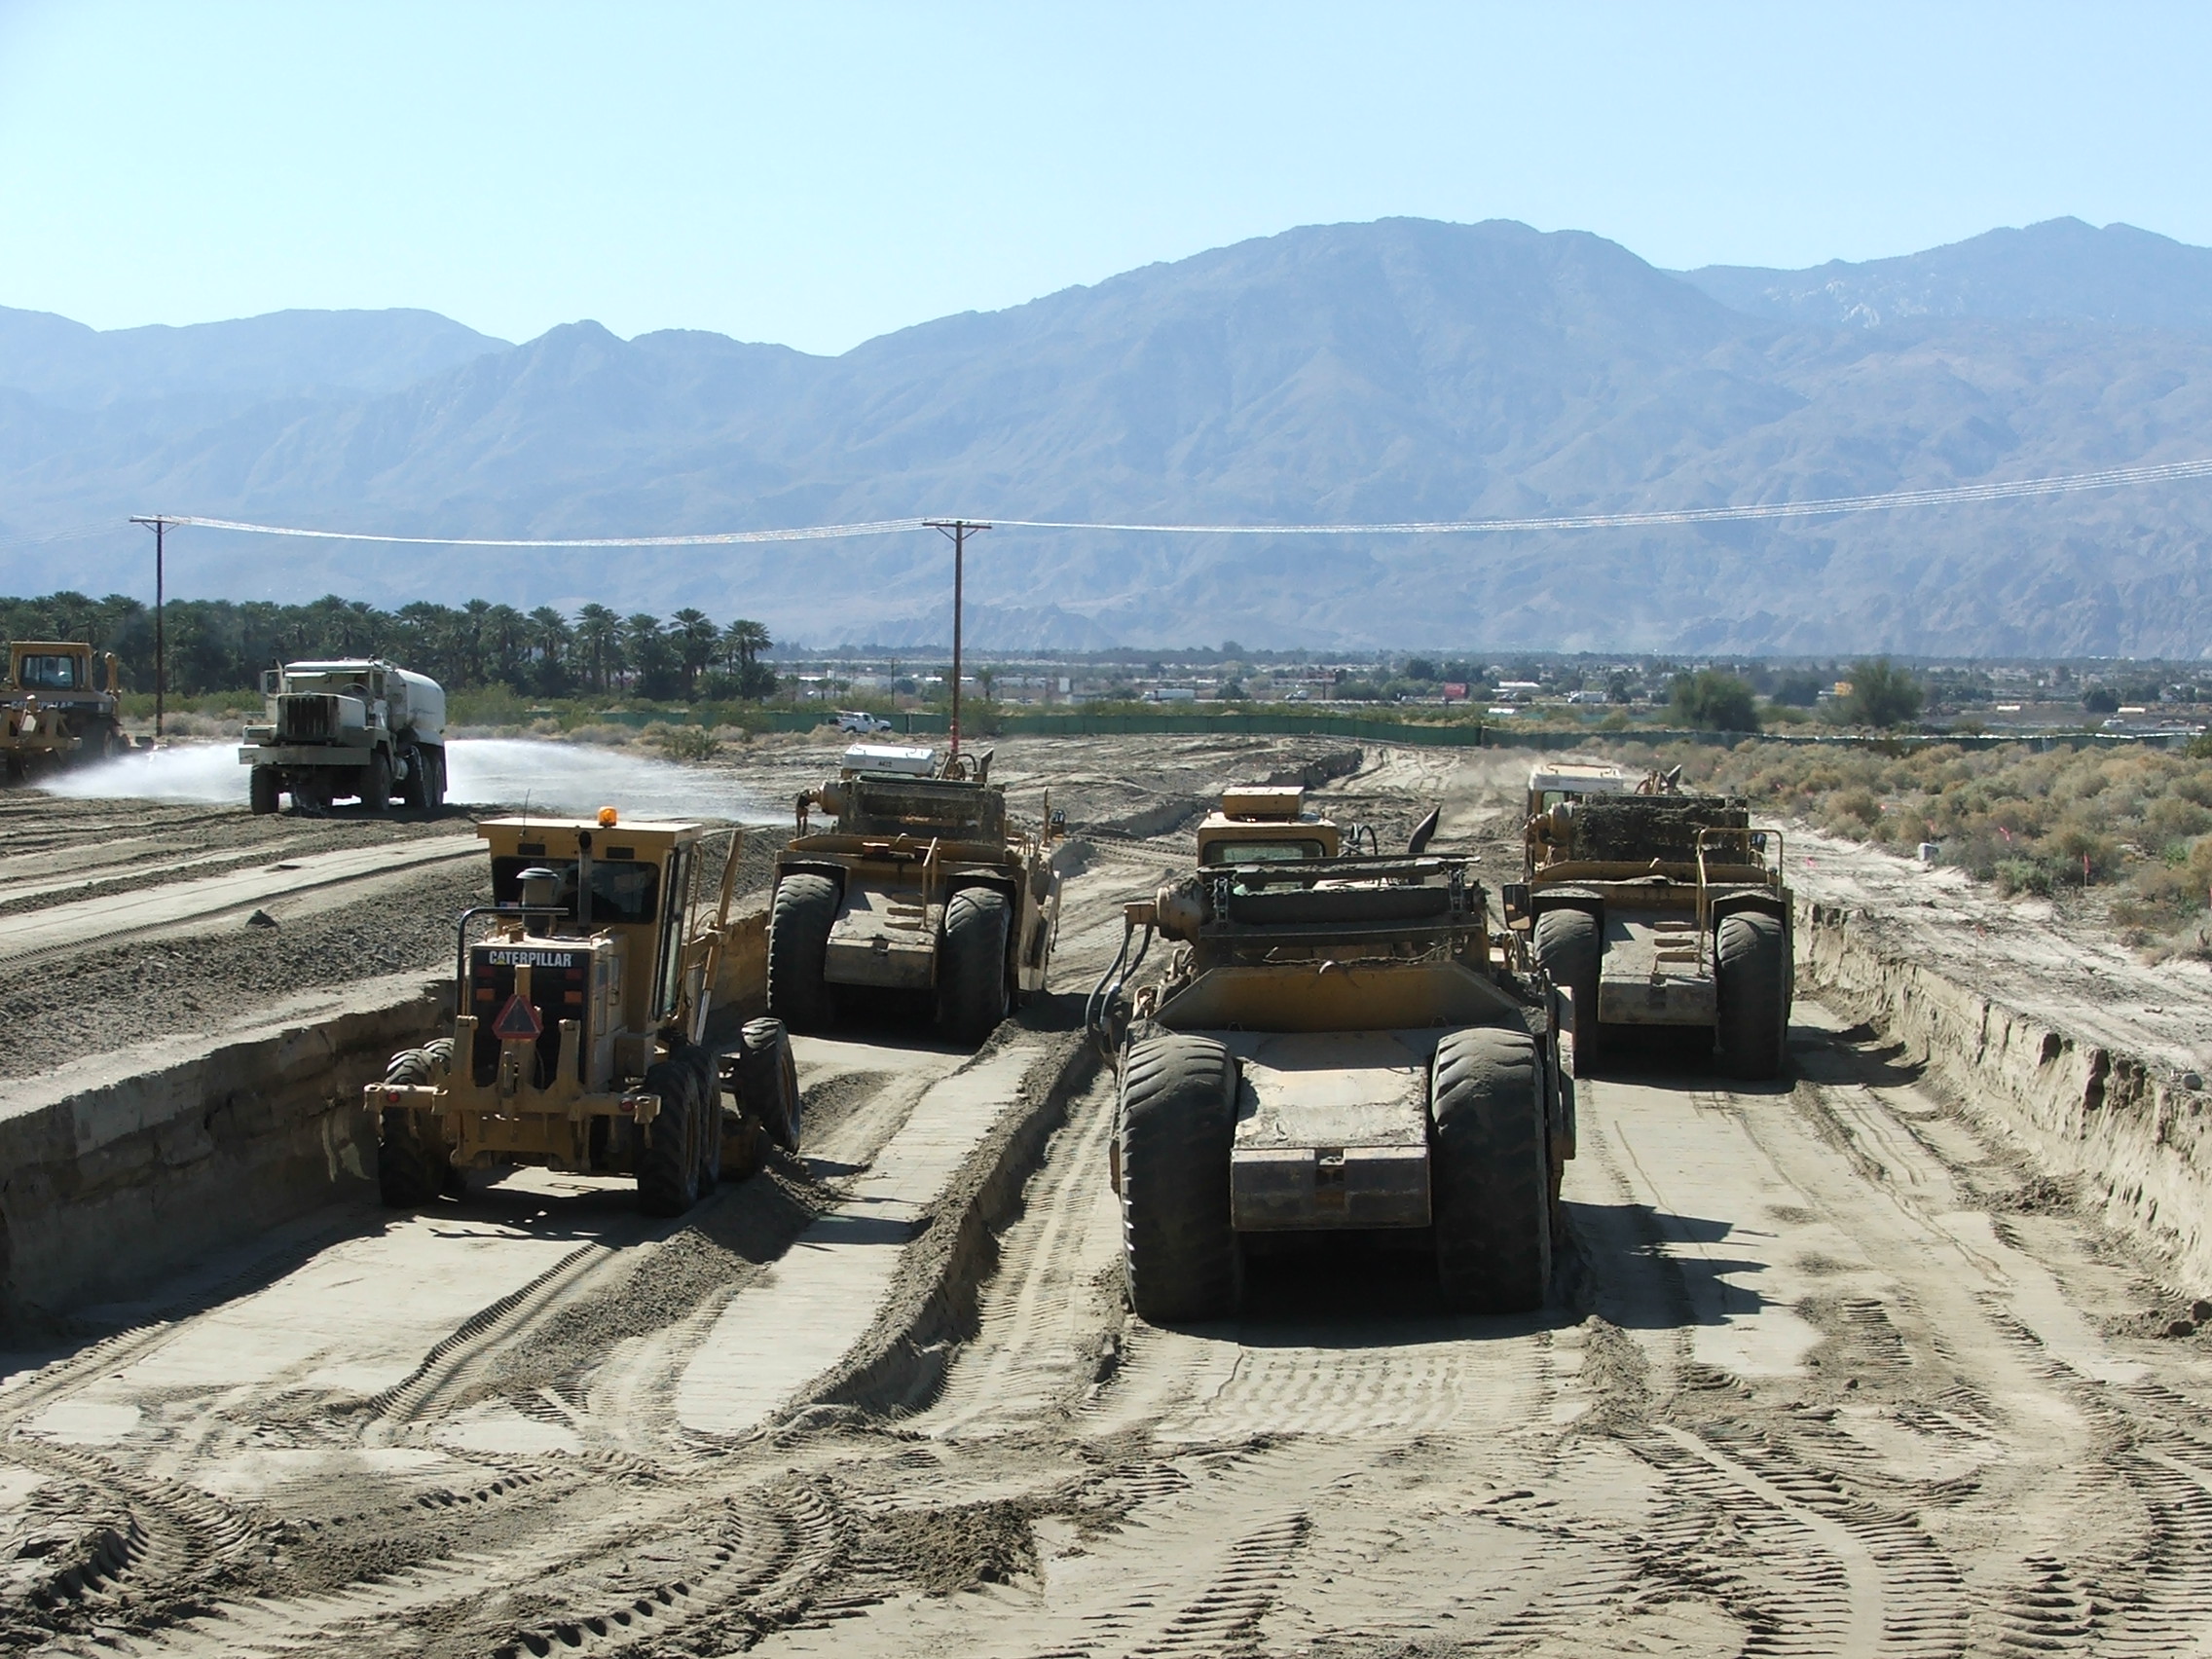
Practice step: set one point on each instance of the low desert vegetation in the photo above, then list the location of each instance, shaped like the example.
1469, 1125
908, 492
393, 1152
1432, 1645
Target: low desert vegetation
2132, 825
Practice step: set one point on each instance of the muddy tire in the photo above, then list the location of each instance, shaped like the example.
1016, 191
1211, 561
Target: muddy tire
264, 790
414, 790
376, 783
767, 1078
1490, 1178
707, 1117
798, 951
667, 1160
434, 775
971, 971
1180, 1258
413, 1165
1569, 949
1752, 984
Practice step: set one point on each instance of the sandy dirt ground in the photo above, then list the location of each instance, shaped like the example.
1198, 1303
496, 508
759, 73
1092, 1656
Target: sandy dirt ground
1826, 1373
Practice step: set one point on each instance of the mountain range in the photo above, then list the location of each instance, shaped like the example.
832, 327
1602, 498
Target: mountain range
1393, 371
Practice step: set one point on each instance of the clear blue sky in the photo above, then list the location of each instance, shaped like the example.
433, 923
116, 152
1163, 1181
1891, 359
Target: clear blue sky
816, 174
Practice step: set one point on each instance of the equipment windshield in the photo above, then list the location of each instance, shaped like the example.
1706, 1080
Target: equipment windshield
50, 674
1289, 850
622, 894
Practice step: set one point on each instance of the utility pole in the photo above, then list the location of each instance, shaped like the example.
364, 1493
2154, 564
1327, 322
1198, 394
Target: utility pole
159, 527
959, 530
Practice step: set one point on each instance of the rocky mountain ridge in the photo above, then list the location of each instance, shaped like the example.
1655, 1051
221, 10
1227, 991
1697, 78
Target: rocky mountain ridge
1400, 370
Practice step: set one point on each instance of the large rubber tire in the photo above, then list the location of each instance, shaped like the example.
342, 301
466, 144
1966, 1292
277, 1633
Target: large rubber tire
1180, 1257
1489, 1178
264, 790
415, 787
768, 1081
668, 1163
376, 783
798, 951
434, 757
971, 966
707, 1123
1569, 950
411, 1167
1752, 981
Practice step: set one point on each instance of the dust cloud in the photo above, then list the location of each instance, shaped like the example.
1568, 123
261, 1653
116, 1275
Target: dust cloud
560, 777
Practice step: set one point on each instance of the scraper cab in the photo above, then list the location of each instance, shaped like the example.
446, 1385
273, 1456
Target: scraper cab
585, 992
1337, 1045
922, 884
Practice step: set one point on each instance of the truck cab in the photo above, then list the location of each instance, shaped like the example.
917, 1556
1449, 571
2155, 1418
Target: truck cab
351, 726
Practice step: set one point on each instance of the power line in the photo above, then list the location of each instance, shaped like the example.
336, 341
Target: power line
810, 533
2112, 478
2065, 484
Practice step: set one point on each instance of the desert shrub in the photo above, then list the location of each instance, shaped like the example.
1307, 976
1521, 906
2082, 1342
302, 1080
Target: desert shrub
605, 733
682, 742
2020, 820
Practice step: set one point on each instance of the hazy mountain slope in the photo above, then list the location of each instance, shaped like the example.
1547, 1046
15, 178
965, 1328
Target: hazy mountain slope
1399, 370
2060, 270
75, 367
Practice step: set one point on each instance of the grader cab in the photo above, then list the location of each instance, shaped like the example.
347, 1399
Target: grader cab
579, 1039
1337, 1045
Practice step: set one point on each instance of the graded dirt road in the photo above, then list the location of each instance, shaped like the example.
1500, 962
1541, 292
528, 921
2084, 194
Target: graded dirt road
1828, 1372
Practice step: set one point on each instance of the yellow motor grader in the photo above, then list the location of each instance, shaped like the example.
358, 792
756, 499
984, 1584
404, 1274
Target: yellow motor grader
579, 1040
923, 885
1338, 1045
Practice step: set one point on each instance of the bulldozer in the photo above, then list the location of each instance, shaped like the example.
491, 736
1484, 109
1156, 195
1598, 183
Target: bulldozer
1655, 909
54, 710
923, 885
584, 998
1339, 1044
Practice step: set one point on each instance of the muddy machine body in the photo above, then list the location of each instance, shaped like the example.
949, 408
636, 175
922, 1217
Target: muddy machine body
1338, 1045
1656, 910
921, 883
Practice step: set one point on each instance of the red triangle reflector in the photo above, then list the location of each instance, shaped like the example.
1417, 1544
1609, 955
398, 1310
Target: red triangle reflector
518, 1022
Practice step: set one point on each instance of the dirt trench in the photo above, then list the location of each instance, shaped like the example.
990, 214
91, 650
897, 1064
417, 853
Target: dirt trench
1831, 1370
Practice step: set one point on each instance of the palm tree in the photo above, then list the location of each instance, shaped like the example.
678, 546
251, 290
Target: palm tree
746, 640
550, 636
599, 631
647, 647
695, 637
505, 644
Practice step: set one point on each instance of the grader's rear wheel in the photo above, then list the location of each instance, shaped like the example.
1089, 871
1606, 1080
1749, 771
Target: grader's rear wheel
668, 1163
